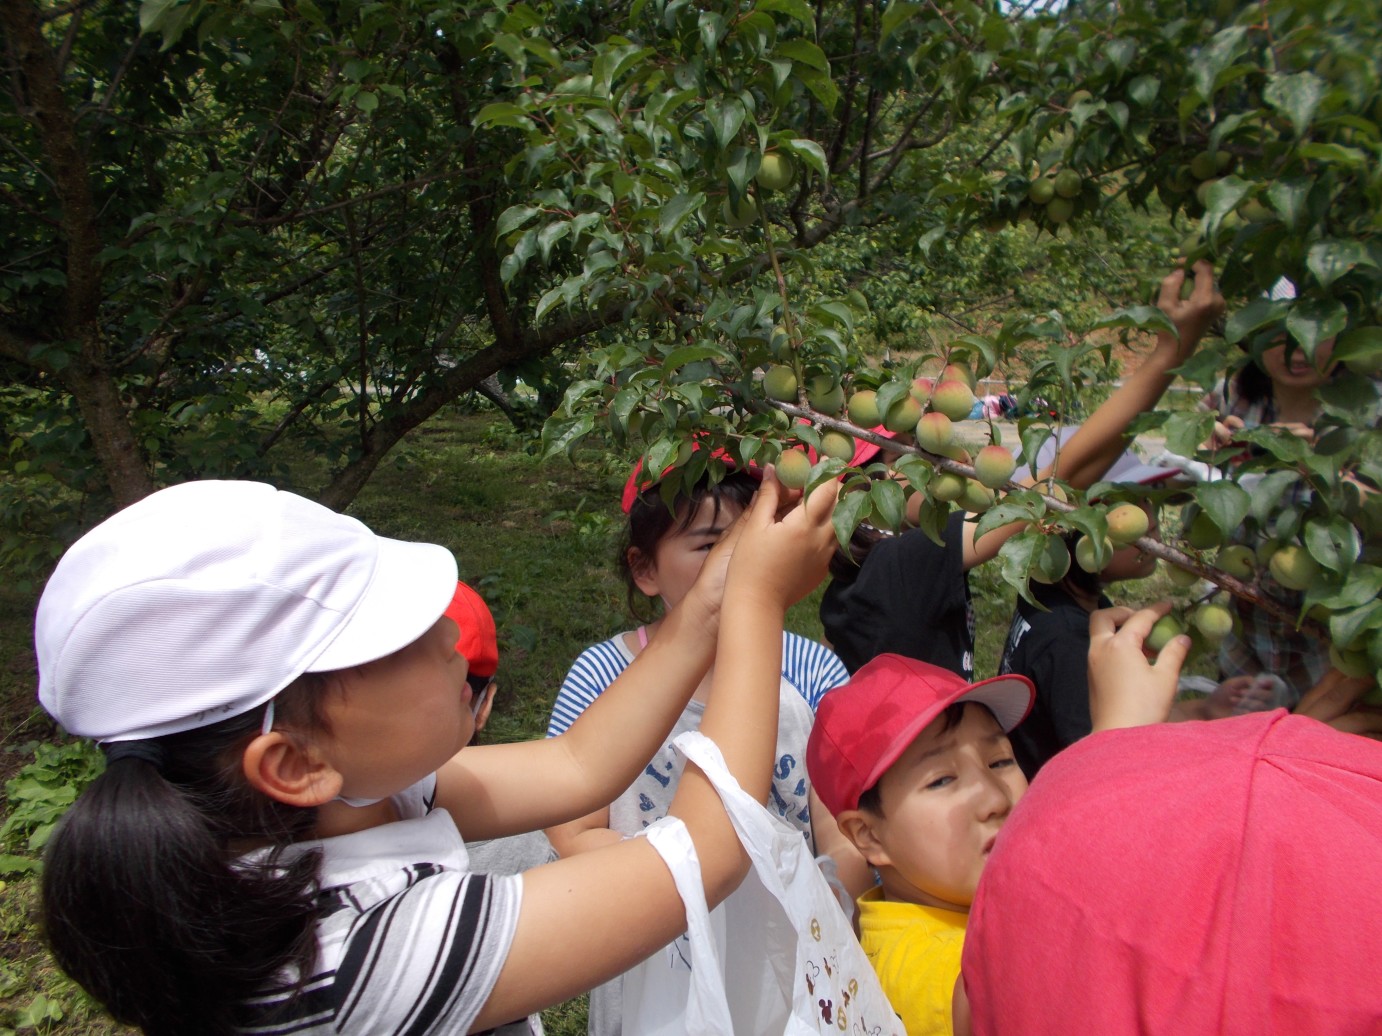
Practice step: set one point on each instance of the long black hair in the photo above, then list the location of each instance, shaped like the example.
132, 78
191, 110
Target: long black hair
149, 901
650, 519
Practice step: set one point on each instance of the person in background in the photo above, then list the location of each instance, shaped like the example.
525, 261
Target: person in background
477, 642
905, 594
660, 557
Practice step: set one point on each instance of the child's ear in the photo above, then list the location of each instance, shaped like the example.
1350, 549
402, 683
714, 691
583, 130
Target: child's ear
644, 571
280, 768
861, 828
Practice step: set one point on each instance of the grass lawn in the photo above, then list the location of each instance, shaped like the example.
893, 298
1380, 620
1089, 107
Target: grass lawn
536, 539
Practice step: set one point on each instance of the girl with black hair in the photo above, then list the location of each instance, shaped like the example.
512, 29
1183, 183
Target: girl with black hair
660, 557
276, 843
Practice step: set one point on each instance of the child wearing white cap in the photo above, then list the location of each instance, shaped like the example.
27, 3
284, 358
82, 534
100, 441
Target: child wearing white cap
276, 845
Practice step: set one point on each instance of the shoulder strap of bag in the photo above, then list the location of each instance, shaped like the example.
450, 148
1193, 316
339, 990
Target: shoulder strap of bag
707, 1013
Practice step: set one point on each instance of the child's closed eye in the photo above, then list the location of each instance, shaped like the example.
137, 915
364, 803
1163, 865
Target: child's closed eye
940, 782
999, 764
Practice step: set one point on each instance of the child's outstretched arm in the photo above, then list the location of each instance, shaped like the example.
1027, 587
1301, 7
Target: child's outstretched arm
1126, 689
1102, 439
587, 767
590, 917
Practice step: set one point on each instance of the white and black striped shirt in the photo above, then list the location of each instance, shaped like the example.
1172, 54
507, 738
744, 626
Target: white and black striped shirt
411, 943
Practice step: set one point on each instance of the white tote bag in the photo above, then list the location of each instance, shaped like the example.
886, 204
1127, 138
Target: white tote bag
780, 957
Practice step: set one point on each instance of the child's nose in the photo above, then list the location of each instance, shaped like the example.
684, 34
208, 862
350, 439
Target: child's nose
995, 796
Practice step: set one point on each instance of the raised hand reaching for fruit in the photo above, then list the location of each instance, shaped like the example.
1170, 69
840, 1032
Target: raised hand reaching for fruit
1126, 688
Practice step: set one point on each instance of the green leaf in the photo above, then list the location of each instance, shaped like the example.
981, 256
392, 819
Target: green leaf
1255, 315
1335, 544
889, 502
1143, 90
1144, 318
798, 9
853, 507
1330, 260
562, 436
895, 14
1297, 96
804, 52
1225, 502
811, 153
17, 865
1289, 198
677, 211
1208, 64
1363, 584
514, 217
1311, 321
1185, 431
1345, 627
726, 116
822, 87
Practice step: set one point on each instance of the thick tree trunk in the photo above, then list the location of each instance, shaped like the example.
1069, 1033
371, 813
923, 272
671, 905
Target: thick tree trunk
87, 375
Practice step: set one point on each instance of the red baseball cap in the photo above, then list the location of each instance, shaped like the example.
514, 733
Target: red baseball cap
478, 643
864, 725
1187, 879
865, 451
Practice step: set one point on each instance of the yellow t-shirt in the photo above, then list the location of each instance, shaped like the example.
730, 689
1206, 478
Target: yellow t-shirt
916, 952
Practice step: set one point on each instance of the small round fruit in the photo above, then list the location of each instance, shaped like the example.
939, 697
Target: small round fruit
1203, 534
738, 216
1204, 166
903, 415
1126, 523
1041, 191
1087, 557
1223, 162
794, 469
825, 394
1051, 561
959, 372
863, 409
935, 432
780, 383
953, 399
947, 487
1068, 184
1165, 630
1060, 210
1255, 211
838, 445
1078, 97
1237, 560
1202, 191
1293, 567
994, 466
976, 498
1214, 621
1181, 577
776, 172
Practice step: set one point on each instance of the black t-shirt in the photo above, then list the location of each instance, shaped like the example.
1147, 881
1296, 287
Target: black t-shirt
910, 597
1050, 648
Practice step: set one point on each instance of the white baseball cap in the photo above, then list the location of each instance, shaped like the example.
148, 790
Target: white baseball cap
204, 600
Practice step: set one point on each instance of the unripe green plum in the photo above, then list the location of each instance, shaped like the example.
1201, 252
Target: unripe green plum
739, 216
1051, 561
947, 486
1181, 577
780, 383
935, 433
1255, 211
825, 394
1041, 191
976, 498
959, 372
903, 415
838, 445
953, 399
1237, 560
1068, 184
1204, 166
1060, 210
1214, 622
794, 468
1087, 557
863, 409
1203, 534
1293, 567
776, 172
1202, 191
1165, 630
1126, 523
994, 466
